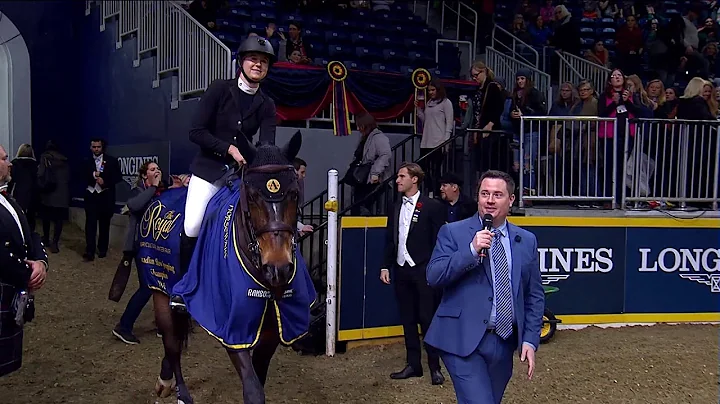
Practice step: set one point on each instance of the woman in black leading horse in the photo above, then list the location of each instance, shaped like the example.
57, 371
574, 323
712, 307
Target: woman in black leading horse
228, 109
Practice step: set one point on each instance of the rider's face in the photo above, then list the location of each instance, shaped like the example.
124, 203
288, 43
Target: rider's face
255, 65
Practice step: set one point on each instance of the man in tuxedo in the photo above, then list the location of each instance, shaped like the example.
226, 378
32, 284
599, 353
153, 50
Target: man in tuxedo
492, 305
23, 268
412, 228
101, 173
458, 206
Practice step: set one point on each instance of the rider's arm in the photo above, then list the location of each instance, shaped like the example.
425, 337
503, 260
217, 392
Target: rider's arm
268, 121
204, 116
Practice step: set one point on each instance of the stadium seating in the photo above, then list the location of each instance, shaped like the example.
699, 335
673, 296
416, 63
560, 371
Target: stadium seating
396, 41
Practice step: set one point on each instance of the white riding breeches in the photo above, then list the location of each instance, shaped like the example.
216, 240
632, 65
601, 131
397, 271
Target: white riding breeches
199, 194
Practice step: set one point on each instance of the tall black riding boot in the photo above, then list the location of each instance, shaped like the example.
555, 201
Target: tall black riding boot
187, 247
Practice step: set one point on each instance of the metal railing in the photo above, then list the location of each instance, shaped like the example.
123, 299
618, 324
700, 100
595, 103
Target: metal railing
671, 162
506, 66
470, 55
574, 69
326, 116
506, 43
459, 12
568, 159
183, 48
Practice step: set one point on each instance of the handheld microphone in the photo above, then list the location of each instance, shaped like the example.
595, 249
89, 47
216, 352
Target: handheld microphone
487, 225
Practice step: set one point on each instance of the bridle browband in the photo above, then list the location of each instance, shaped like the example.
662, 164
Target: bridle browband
249, 245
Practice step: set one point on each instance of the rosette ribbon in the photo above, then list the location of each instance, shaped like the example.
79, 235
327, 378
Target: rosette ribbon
341, 111
420, 80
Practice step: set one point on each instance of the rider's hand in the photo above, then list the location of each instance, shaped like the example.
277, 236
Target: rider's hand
235, 153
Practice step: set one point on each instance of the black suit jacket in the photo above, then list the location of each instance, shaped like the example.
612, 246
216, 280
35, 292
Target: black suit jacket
220, 119
13, 251
431, 215
111, 174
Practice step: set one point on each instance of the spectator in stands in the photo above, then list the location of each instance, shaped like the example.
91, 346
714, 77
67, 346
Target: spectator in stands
668, 109
272, 33
710, 52
539, 32
204, 13
54, 186
373, 156
708, 95
527, 101
696, 64
587, 105
296, 43
694, 105
707, 33
609, 9
656, 93
438, 120
629, 45
627, 9
483, 113
645, 106
615, 102
526, 10
598, 54
459, 206
519, 29
565, 101
547, 12
591, 9
23, 185
566, 35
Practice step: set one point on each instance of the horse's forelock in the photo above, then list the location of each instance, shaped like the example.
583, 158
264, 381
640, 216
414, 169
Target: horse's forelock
268, 154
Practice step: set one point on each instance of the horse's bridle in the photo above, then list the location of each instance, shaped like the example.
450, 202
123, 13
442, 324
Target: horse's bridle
250, 245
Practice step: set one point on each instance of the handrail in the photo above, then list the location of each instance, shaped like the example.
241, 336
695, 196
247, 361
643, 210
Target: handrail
458, 12
427, 9
183, 48
583, 70
505, 66
515, 42
471, 56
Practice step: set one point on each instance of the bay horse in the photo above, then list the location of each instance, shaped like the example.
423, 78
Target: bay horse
254, 299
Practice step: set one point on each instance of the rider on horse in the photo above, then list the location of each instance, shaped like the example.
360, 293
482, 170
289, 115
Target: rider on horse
229, 108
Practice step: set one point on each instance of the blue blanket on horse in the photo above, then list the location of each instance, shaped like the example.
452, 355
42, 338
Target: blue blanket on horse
159, 240
221, 294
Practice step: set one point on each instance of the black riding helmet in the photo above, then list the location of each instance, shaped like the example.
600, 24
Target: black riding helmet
255, 44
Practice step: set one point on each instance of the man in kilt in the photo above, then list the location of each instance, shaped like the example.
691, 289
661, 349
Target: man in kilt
23, 268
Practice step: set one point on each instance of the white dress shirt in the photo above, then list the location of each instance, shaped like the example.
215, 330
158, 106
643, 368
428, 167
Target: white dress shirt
406, 214
98, 165
6, 204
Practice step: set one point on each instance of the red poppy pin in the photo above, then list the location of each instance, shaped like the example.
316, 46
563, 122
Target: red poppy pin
418, 205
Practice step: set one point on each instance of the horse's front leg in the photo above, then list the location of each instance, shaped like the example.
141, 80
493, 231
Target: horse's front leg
253, 392
266, 346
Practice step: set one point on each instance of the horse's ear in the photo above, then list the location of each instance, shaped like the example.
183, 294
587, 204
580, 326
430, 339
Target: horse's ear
292, 148
246, 148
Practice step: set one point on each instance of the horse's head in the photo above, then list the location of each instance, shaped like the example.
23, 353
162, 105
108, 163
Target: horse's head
270, 203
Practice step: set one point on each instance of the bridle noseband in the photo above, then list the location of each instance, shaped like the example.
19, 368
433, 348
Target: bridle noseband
250, 245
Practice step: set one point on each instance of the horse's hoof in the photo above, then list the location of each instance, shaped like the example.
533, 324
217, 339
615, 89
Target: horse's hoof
163, 388
183, 395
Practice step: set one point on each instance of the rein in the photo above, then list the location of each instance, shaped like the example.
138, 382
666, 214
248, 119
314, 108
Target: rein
249, 245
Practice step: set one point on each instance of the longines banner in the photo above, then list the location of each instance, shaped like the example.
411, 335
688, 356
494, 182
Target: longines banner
132, 156
598, 270
159, 239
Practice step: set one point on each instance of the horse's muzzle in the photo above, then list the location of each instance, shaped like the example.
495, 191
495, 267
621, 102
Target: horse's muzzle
278, 276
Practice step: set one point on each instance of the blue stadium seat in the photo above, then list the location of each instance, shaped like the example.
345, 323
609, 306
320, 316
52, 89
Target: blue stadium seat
259, 4
587, 30
587, 41
606, 33
241, 12
379, 67
337, 37
287, 19
241, 3
228, 38
357, 65
321, 61
339, 52
257, 28
406, 70
264, 15
371, 54
227, 24
362, 39
416, 45
312, 35
317, 48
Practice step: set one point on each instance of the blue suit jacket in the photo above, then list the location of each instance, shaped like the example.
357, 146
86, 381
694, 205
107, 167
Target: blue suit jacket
463, 315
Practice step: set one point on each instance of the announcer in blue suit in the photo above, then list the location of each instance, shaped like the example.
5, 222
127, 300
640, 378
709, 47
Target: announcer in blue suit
490, 309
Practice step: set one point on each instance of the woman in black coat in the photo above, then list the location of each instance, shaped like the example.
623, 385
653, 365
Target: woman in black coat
24, 182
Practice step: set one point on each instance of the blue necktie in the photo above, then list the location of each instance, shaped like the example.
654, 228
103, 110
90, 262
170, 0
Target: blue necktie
503, 289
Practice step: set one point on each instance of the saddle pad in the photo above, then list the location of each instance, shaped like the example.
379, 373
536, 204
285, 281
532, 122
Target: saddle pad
158, 255
222, 295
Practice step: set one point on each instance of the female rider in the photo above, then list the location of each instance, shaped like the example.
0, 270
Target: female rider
229, 108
